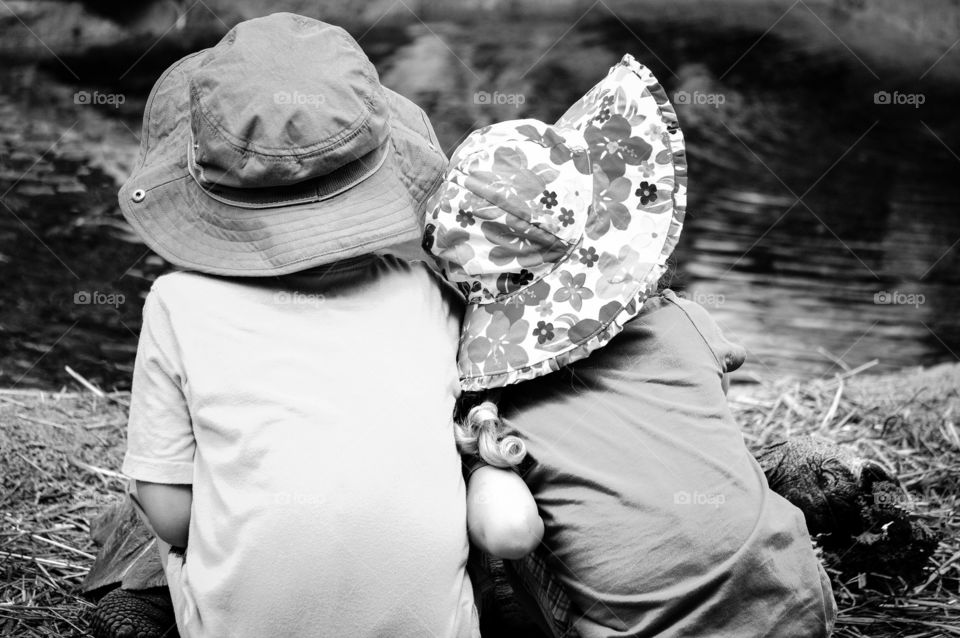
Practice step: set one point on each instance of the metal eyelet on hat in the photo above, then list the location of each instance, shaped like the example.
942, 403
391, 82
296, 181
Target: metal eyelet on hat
139, 195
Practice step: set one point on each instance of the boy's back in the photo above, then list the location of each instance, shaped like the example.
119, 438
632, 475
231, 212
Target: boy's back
293, 405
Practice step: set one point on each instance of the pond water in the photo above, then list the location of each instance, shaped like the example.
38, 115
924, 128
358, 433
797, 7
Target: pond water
823, 223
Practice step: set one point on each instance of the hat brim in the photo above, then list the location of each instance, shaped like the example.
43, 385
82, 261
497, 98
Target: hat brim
178, 219
187, 227
500, 344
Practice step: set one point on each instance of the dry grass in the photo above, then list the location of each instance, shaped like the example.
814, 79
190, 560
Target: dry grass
908, 422
60, 454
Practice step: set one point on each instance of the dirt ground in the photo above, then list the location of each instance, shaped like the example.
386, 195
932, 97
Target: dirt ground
60, 456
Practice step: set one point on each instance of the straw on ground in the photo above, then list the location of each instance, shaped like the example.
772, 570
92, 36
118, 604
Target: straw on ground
61, 453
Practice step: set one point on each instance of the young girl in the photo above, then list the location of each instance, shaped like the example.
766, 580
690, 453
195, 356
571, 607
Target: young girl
290, 425
656, 519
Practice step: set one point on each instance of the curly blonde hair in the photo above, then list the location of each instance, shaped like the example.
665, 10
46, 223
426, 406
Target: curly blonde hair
483, 432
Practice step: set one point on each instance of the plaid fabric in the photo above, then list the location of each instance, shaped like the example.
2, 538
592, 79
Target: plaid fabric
532, 573
522, 594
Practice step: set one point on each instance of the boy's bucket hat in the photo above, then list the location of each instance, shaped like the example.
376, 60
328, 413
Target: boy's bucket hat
557, 234
277, 150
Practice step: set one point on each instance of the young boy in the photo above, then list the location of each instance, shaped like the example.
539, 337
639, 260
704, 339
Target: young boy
290, 428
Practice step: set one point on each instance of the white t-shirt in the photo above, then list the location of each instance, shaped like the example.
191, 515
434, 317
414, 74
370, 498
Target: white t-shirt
312, 415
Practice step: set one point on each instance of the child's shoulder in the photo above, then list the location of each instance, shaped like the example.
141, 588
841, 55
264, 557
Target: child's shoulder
182, 283
187, 292
728, 352
425, 276
697, 314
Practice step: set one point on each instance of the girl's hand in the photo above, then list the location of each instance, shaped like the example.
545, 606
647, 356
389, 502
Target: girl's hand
502, 517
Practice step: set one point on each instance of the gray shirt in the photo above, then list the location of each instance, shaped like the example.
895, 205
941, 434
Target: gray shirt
659, 522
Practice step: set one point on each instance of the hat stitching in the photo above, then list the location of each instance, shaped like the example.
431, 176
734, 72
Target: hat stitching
403, 176
239, 271
212, 221
237, 144
283, 202
151, 104
162, 184
408, 181
181, 261
405, 180
209, 222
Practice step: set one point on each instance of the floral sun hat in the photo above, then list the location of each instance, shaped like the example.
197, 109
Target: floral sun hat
558, 234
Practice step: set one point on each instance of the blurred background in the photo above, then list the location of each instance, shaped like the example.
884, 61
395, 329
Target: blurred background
823, 140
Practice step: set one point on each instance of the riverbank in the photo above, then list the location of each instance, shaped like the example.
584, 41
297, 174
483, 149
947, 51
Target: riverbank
809, 199
61, 455
917, 38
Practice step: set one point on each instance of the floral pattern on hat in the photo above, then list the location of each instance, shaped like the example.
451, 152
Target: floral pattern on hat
557, 234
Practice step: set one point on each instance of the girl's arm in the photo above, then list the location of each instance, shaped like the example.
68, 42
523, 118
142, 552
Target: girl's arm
502, 517
168, 509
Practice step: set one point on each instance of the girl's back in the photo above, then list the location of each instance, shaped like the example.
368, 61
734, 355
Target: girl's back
658, 520
293, 405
